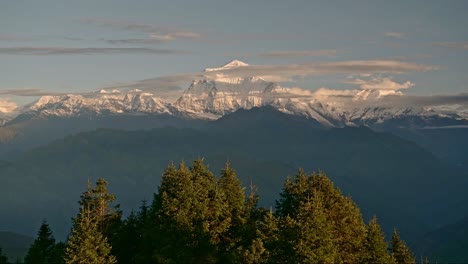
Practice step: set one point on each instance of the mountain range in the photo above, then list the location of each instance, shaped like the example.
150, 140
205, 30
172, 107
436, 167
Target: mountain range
389, 155
215, 95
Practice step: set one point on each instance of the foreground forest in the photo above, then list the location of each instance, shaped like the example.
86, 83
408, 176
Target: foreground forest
196, 217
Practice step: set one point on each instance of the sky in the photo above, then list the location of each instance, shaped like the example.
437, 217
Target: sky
53, 47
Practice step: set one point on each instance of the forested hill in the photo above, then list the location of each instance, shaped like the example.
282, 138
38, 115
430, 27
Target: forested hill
384, 174
197, 217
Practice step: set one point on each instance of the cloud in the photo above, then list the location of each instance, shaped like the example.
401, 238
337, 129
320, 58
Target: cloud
159, 83
298, 53
377, 83
397, 35
347, 99
327, 92
288, 71
454, 44
82, 51
133, 41
7, 106
39, 37
458, 99
27, 92
156, 34
282, 73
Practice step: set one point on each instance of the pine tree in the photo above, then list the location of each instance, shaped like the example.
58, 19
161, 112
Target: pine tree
348, 231
132, 242
191, 215
99, 201
233, 193
3, 258
259, 225
126, 242
42, 248
58, 254
269, 234
400, 252
211, 219
171, 212
255, 253
147, 237
293, 193
315, 242
86, 244
375, 245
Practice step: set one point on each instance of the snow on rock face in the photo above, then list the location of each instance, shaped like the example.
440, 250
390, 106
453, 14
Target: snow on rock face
217, 95
222, 78
230, 65
220, 95
225, 97
70, 105
375, 94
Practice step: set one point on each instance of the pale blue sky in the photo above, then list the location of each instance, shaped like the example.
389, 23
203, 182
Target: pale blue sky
77, 46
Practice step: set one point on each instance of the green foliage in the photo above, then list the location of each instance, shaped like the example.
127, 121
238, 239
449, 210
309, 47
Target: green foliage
87, 243
57, 255
198, 218
315, 243
401, 254
233, 194
43, 250
98, 200
375, 244
192, 213
132, 243
347, 227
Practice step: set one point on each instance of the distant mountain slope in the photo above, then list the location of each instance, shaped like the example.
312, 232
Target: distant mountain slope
447, 244
35, 132
388, 176
212, 95
14, 246
449, 144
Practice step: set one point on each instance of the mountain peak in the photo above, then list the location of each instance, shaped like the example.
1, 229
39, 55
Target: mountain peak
235, 63
230, 65
372, 94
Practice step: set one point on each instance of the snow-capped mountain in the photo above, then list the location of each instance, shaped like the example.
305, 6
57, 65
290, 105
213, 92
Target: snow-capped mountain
98, 103
218, 94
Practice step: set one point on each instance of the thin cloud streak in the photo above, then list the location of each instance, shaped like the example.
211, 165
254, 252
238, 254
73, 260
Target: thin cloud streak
348, 99
156, 34
454, 44
284, 72
83, 51
28, 92
377, 83
298, 53
324, 68
133, 41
